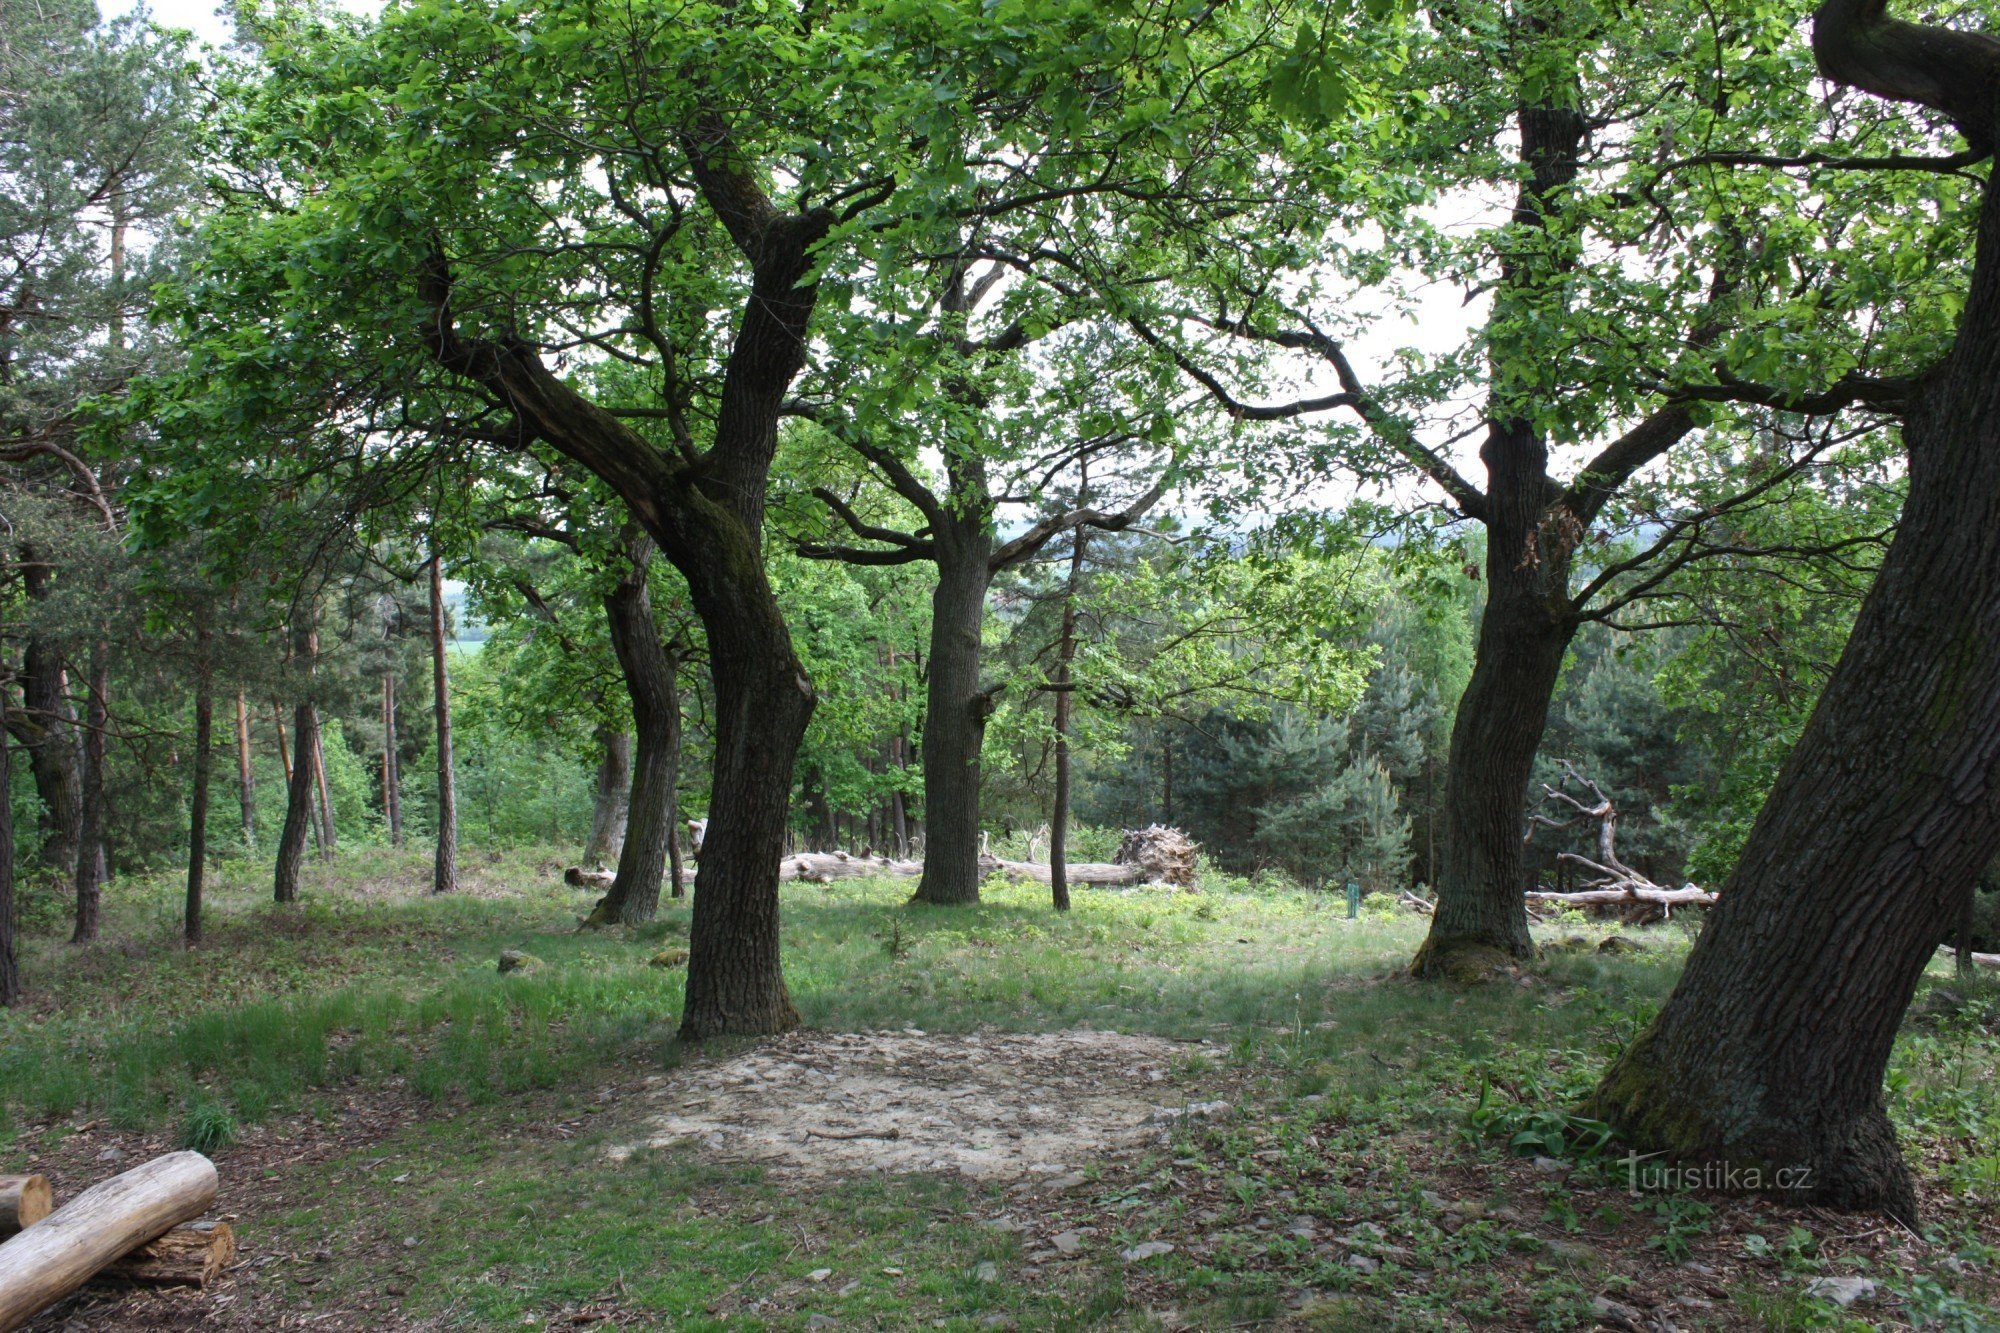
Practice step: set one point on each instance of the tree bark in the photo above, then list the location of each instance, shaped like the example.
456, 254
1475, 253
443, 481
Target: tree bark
46, 726
1771, 1051
649, 671
956, 710
299, 819
1481, 920
322, 800
90, 857
612, 798
10, 967
245, 783
204, 756
392, 763
444, 873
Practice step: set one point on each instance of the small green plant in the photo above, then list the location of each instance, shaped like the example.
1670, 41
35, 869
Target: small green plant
208, 1126
1682, 1220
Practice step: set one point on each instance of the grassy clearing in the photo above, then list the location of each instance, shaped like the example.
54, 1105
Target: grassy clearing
1361, 1100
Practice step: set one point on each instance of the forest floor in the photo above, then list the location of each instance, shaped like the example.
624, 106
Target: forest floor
1161, 1111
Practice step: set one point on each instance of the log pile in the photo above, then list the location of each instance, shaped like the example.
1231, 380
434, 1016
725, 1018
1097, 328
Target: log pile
130, 1229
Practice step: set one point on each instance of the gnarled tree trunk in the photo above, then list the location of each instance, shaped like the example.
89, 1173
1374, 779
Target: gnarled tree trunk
649, 678
1770, 1054
612, 797
1526, 628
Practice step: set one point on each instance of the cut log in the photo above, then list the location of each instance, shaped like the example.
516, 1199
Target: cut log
579, 878
52, 1258
1685, 896
190, 1256
1983, 959
24, 1201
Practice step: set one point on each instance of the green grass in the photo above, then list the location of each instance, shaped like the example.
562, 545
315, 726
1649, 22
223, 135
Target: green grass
1363, 1084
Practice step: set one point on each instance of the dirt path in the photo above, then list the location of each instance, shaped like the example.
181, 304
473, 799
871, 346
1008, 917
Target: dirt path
987, 1105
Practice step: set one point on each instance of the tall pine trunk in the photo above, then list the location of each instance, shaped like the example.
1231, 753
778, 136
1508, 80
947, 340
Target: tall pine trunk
46, 726
246, 791
444, 872
10, 967
1771, 1052
392, 762
956, 711
90, 855
322, 800
612, 797
204, 755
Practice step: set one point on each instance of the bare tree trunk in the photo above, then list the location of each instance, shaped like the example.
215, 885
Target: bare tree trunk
10, 967
444, 876
245, 783
612, 799
392, 763
1065, 657
204, 756
90, 857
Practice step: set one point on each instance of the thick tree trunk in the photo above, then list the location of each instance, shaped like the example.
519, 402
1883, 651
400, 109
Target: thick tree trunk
10, 968
955, 717
1770, 1054
612, 798
444, 873
1482, 920
299, 818
47, 727
392, 763
204, 756
648, 670
246, 791
90, 856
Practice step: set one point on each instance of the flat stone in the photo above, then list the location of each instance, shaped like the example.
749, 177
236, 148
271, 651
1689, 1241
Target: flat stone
1362, 1263
1150, 1249
819, 1275
1066, 1242
1842, 1291
986, 1271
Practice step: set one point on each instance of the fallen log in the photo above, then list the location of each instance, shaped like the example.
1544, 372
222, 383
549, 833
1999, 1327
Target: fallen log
579, 878
190, 1256
1983, 959
1098, 874
825, 867
1685, 896
24, 1201
58, 1254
